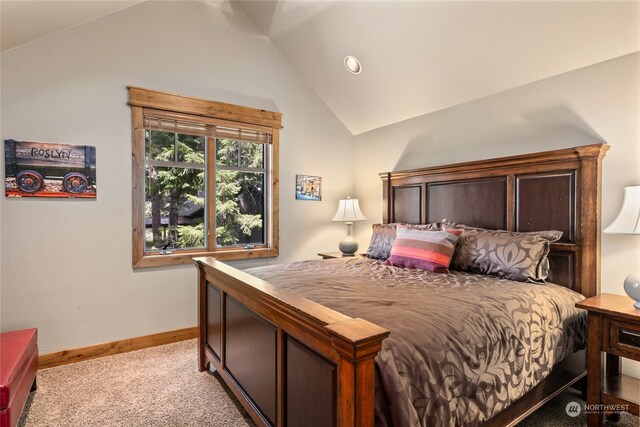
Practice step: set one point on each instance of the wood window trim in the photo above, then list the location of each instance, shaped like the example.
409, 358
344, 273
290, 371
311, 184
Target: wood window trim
251, 118
201, 107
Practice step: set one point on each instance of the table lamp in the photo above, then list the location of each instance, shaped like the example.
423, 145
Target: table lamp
349, 211
628, 222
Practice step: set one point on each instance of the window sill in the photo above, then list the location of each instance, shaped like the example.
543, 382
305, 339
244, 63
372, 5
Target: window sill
186, 258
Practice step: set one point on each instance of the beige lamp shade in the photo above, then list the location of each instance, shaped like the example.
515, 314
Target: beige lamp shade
349, 210
628, 220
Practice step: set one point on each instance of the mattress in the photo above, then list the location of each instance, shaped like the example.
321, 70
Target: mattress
462, 346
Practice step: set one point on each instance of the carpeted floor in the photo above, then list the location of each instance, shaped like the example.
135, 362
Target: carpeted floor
161, 386
158, 386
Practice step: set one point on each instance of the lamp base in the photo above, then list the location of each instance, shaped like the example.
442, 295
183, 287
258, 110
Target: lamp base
632, 288
348, 247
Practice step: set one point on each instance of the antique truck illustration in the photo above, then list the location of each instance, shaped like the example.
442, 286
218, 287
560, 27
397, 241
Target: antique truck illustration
31, 162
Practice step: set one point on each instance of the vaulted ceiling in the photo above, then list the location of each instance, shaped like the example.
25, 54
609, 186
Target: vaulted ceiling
22, 21
421, 56
417, 56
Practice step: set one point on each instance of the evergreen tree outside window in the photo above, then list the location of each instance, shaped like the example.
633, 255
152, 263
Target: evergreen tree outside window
203, 185
240, 184
175, 194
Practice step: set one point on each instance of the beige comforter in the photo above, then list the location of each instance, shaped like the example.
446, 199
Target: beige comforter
462, 346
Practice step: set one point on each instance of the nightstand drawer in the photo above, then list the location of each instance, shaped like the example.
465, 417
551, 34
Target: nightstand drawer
623, 338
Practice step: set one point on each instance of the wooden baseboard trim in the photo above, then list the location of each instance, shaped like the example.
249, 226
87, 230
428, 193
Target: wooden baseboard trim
115, 347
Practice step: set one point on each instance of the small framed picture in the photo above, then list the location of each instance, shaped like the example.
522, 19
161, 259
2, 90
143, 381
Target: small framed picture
42, 169
308, 187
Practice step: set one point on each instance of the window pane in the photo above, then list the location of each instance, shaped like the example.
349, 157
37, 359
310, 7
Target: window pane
172, 147
245, 154
239, 208
226, 152
191, 148
251, 154
159, 145
175, 208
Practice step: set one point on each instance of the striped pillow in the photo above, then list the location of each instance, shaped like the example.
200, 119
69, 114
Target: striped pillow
423, 249
384, 235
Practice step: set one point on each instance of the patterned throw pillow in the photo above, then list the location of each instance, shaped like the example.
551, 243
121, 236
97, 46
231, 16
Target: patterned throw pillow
384, 235
515, 256
423, 249
381, 241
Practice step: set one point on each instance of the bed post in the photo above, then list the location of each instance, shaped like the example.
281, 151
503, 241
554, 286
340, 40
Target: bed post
357, 342
590, 216
386, 197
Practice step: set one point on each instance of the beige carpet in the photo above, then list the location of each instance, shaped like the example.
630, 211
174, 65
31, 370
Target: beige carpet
158, 386
161, 386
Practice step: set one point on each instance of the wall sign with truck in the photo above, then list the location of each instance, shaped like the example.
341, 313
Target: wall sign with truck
39, 169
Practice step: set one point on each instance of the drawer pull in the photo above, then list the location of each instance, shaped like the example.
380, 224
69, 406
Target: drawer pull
630, 338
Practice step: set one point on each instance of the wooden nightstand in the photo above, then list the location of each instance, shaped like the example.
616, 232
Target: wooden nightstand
331, 255
614, 327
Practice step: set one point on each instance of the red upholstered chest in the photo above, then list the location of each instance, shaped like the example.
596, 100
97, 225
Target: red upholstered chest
18, 367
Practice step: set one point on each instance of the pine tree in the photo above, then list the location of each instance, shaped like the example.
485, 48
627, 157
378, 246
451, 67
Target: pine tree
238, 194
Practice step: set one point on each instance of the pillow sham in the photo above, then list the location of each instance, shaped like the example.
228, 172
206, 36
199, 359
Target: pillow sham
511, 255
381, 241
384, 235
423, 249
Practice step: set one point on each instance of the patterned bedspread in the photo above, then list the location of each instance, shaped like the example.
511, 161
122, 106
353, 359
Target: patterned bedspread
462, 346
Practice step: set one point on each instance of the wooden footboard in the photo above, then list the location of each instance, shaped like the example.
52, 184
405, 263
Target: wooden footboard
288, 360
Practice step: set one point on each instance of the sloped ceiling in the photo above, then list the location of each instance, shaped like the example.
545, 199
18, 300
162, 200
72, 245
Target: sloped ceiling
418, 56
422, 56
22, 21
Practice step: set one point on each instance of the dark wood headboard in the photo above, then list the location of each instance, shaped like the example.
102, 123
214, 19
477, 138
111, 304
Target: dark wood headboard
551, 190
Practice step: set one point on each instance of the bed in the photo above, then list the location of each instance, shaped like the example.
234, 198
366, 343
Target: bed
315, 360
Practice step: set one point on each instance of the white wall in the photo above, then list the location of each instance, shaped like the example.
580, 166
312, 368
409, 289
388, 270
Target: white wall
66, 264
596, 103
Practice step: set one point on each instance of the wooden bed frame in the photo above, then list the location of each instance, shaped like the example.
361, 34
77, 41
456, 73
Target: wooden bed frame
292, 362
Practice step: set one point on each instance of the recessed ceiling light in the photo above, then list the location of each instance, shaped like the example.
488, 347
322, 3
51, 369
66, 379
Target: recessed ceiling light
352, 64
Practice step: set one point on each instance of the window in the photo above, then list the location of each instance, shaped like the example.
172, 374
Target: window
205, 179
